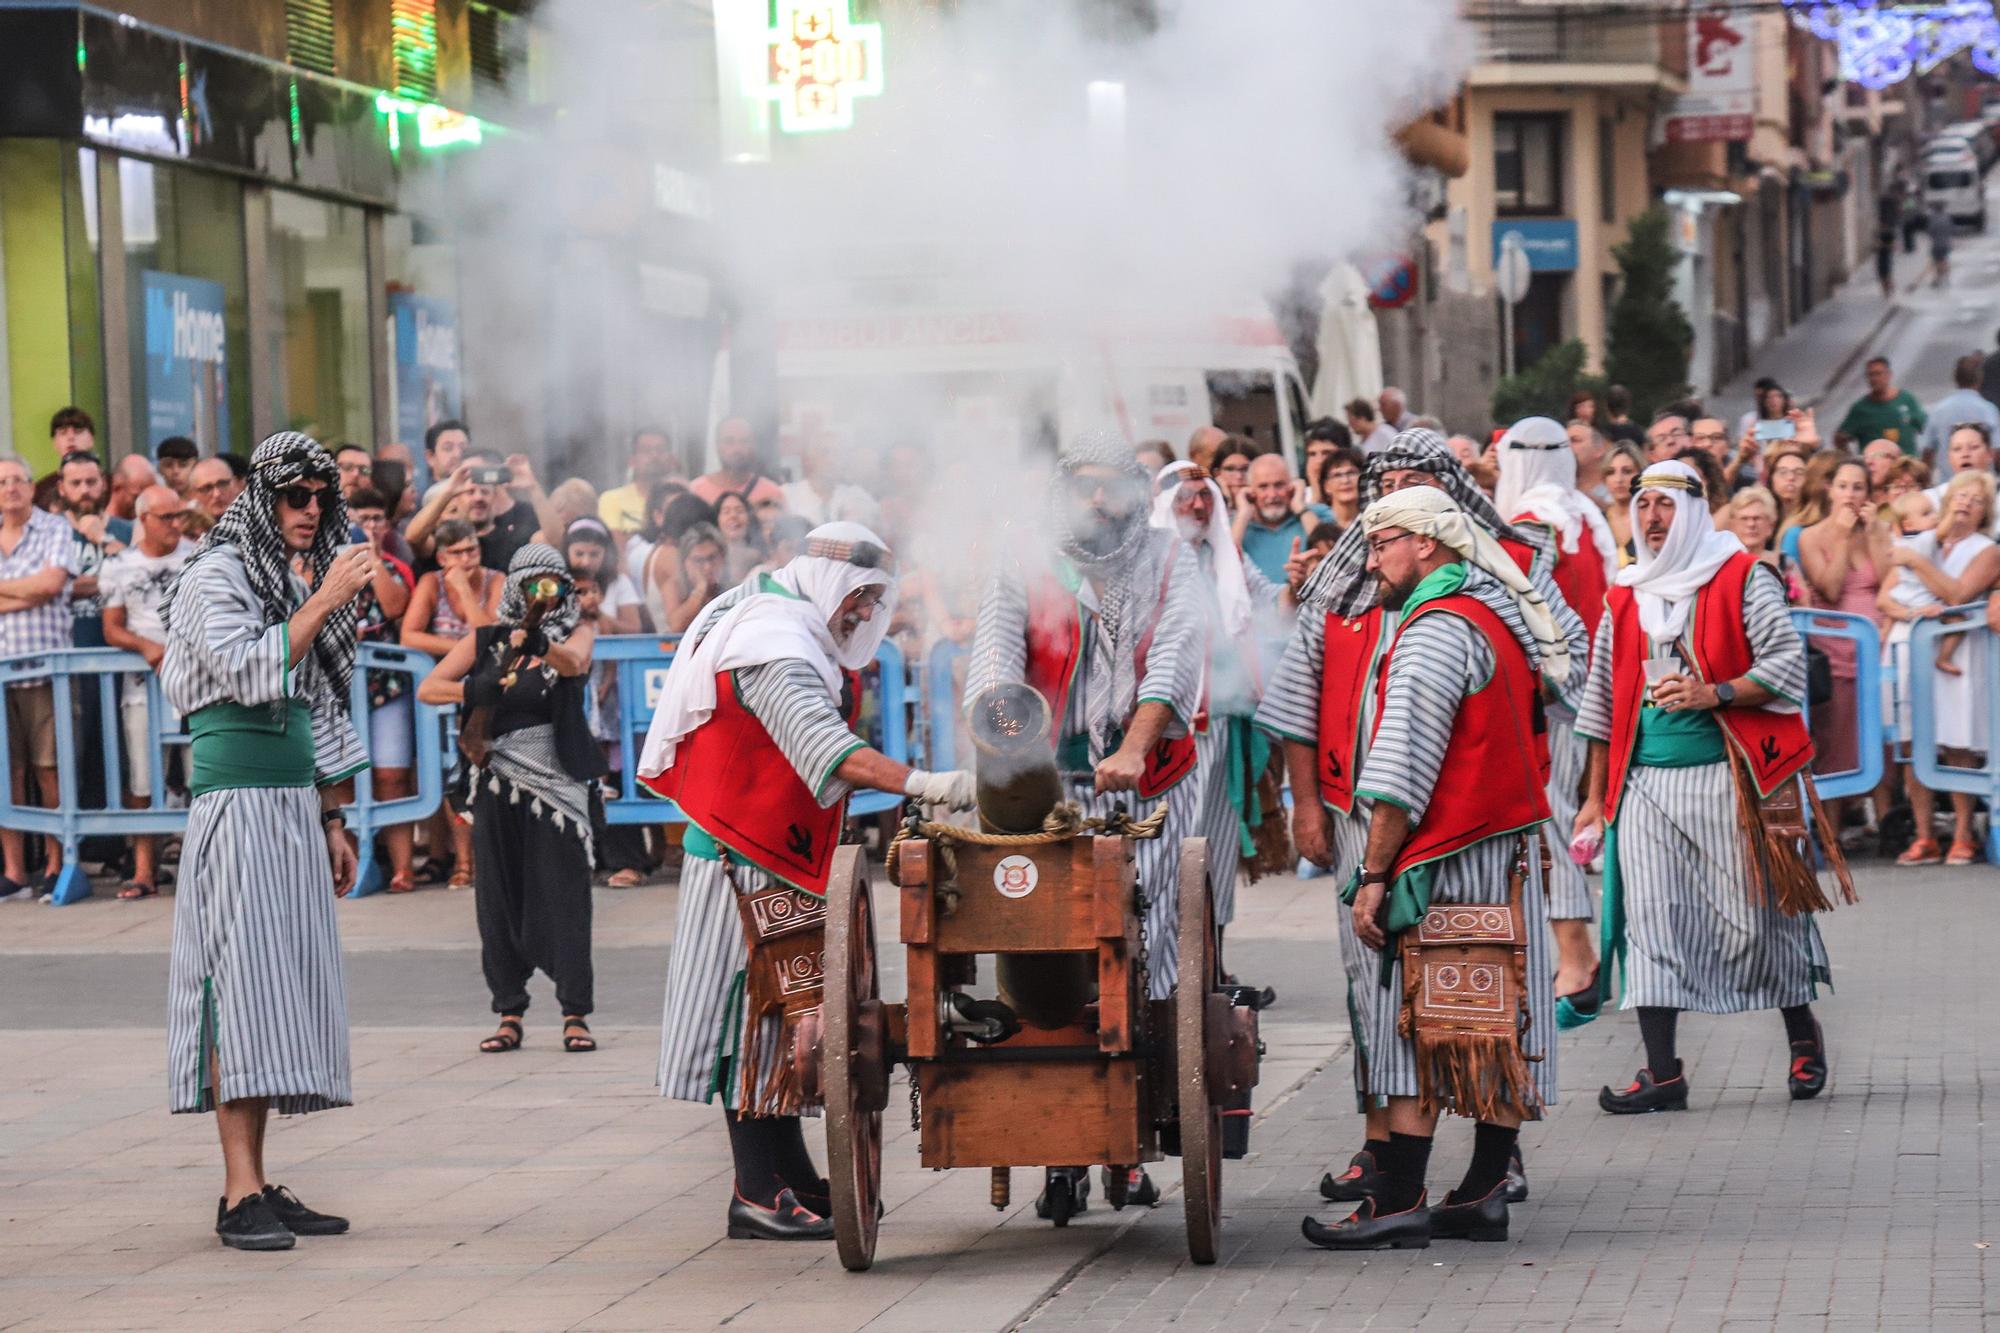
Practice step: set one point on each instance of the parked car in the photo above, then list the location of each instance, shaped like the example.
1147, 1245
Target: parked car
1954, 182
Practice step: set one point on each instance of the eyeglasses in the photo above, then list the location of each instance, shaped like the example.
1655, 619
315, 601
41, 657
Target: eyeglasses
1712, 435
211, 487
1234, 467
302, 498
1376, 548
177, 516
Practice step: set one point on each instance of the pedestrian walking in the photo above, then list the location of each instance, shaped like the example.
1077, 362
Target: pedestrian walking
260, 666
1537, 491
1698, 778
1459, 699
531, 760
754, 738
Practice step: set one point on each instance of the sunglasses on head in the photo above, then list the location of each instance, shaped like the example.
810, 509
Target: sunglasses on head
301, 498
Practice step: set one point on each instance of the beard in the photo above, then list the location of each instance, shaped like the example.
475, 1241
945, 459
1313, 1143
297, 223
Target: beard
1099, 532
1395, 594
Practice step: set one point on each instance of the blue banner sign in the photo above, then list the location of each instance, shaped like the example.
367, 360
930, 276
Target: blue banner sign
424, 330
187, 374
1550, 243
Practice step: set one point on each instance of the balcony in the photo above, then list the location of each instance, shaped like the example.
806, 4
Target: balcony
1576, 45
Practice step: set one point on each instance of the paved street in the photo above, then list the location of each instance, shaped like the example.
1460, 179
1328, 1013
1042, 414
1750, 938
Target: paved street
543, 1191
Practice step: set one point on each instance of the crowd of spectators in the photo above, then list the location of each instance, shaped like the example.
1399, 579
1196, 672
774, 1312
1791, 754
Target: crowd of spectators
1891, 519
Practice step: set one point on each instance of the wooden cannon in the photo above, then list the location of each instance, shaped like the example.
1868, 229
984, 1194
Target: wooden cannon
1071, 1065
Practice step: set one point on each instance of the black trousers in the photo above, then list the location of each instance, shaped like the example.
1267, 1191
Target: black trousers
533, 895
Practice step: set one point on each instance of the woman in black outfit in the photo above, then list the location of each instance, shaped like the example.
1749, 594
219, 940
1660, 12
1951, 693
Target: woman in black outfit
531, 759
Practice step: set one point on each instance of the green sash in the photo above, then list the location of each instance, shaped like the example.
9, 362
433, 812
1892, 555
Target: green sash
261, 745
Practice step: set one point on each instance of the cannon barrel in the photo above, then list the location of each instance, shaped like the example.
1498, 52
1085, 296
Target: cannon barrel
1017, 786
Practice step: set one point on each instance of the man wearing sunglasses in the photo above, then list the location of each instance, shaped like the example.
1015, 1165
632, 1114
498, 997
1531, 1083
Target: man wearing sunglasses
1110, 628
258, 663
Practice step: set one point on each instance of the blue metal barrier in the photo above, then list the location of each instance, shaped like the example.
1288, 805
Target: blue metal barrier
941, 705
1976, 654
642, 661
366, 815
1867, 640
105, 668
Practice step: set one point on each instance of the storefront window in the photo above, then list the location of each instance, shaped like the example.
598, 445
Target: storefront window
424, 379
188, 301
51, 349
319, 302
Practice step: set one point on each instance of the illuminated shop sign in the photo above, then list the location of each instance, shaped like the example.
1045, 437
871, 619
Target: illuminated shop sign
437, 126
820, 60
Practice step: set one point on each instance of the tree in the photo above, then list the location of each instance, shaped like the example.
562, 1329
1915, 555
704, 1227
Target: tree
1544, 388
1650, 338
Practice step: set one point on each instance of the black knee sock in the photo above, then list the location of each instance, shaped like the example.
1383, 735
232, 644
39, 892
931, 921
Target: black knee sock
1404, 1161
1376, 1147
795, 1163
1656, 1029
754, 1147
1492, 1147
1799, 1024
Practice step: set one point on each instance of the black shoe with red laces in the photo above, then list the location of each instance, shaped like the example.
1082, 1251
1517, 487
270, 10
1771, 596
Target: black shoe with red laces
1357, 1182
785, 1219
1808, 1077
1645, 1094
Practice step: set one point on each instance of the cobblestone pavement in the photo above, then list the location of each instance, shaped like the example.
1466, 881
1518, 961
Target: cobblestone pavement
1871, 1207
543, 1191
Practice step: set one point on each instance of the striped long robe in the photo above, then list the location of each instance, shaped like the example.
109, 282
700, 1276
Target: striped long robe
1440, 661
1568, 889
1694, 940
254, 982
1232, 700
1174, 663
704, 1027
1289, 711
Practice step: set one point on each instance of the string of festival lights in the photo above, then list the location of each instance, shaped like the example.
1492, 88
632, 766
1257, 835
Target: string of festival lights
1884, 43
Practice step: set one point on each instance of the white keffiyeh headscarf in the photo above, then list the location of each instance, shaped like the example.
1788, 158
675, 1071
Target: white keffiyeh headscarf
1430, 512
1538, 481
1231, 589
1665, 581
771, 627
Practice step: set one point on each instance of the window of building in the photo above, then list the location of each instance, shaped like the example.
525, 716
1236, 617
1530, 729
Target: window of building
187, 299
425, 385
1538, 320
318, 294
1527, 164
1607, 168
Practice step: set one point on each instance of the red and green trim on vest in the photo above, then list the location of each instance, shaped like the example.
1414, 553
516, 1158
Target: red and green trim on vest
1055, 653
1351, 650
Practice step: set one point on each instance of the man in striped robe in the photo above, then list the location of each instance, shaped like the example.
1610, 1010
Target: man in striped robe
1697, 670
1321, 702
754, 737
1110, 630
1537, 493
1240, 607
1453, 774
259, 666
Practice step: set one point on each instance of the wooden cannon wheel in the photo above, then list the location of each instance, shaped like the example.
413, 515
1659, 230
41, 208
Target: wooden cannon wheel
854, 1074
1200, 1116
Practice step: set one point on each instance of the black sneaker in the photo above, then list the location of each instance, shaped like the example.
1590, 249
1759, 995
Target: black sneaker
299, 1219
251, 1225
1644, 1094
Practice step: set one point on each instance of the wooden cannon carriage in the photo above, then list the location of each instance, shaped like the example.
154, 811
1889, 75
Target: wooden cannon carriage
1071, 1067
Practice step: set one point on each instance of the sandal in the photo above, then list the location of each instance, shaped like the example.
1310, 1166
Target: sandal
508, 1038
1922, 852
626, 879
576, 1035
460, 879
404, 883
435, 869
1963, 854
133, 890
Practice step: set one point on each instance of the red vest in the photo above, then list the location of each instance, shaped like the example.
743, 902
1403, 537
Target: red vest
1491, 782
1524, 554
735, 784
1777, 745
1347, 656
1579, 575
1055, 651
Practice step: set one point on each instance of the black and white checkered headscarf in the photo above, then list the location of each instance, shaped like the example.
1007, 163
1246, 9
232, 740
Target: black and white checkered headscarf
531, 562
1342, 584
250, 525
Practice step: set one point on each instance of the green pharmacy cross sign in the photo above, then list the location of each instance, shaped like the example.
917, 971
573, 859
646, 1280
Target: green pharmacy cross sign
820, 60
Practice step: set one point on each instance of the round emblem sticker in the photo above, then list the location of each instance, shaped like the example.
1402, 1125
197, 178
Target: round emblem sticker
1015, 877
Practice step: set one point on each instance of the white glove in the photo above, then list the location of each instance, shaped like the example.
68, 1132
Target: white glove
953, 790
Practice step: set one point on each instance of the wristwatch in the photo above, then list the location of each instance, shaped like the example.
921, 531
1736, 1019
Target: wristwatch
1376, 876
1725, 694
328, 818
